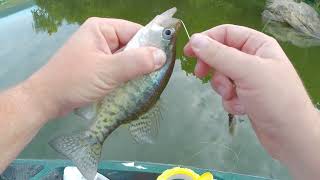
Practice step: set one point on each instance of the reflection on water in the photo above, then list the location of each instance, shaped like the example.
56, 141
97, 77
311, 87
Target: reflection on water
194, 127
198, 15
12, 6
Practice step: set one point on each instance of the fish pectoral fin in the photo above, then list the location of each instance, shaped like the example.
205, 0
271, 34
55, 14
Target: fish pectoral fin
88, 112
84, 151
145, 129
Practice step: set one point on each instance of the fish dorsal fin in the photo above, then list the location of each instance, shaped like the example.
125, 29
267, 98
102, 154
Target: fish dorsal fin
145, 129
88, 112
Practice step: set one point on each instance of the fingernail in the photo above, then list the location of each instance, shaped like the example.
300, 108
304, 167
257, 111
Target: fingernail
159, 58
239, 108
199, 42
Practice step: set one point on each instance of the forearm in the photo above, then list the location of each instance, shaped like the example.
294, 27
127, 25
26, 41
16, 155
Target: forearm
302, 157
21, 119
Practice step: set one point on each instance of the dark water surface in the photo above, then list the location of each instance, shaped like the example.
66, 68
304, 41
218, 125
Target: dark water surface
194, 126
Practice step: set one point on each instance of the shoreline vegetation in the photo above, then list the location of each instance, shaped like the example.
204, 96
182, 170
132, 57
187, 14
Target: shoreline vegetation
8, 7
315, 4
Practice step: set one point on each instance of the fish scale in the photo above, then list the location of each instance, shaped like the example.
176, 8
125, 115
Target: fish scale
121, 105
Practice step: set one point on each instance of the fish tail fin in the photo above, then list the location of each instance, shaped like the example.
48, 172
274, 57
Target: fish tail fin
83, 149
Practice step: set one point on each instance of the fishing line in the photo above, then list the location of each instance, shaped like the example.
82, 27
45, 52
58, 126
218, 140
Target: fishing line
185, 28
235, 155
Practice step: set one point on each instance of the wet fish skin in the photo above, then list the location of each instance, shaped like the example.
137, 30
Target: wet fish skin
136, 97
126, 103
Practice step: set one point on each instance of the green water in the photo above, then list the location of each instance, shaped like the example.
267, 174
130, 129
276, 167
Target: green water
194, 126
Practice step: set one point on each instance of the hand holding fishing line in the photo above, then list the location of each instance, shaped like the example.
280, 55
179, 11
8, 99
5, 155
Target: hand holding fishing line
251, 72
91, 49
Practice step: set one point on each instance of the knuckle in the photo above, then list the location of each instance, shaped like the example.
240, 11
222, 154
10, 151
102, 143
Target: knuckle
92, 20
273, 40
269, 39
110, 34
146, 58
228, 25
223, 26
140, 63
112, 39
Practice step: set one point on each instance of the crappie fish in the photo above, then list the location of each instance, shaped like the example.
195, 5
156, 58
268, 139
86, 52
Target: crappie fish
299, 15
131, 102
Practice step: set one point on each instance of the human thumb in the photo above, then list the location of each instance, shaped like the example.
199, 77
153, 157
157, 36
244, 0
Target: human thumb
227, 60
129, 64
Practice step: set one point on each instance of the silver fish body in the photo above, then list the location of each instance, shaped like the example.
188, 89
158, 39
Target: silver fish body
126, 103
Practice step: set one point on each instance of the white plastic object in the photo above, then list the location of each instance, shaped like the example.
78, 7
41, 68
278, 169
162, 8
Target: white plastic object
72, 173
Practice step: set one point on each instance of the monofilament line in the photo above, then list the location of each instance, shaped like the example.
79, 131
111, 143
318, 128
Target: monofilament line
185, 28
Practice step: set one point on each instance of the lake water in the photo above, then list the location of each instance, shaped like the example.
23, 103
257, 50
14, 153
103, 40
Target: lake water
193, 130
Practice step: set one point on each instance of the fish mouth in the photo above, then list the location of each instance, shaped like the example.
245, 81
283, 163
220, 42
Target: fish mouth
177, 23
169, 12
166, 19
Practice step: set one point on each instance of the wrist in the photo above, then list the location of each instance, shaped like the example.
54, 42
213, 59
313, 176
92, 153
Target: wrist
38, 99
301, 156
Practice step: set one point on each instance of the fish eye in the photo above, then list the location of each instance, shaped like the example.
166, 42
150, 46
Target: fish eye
167, 33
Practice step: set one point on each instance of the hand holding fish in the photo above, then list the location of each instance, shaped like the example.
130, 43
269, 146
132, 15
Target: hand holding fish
85, 68
251, 71
133, 103
82, 71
